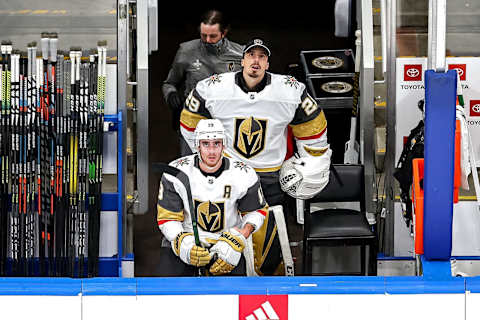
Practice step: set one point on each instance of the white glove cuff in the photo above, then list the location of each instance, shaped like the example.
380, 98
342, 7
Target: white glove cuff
186, 244
236, 233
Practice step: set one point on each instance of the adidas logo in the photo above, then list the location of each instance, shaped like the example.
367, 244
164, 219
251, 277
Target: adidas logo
265, 312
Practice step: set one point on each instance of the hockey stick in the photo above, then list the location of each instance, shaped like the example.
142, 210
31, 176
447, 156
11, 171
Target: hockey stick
185, 181
98, 91
45, 157
52, 109
3, 148
30, 246
39, 249
352, 147
59, 175
73, 144
67, 125
7, 165
284, 242
15, 212
93, 193
82, 231
22, 161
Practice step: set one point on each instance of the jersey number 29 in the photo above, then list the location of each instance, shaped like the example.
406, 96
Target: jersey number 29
192, 103
309, 105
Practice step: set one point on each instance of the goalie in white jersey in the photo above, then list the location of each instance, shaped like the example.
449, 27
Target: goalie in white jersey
256, 108
228, 207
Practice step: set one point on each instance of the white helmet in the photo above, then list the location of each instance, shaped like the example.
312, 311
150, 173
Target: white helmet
303, 178
209, 129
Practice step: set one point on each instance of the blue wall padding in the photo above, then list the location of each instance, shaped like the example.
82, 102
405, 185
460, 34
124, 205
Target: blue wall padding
440, 98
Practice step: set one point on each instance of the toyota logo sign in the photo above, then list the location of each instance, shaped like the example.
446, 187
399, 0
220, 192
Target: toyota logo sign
412, 72
461, 69
474, 108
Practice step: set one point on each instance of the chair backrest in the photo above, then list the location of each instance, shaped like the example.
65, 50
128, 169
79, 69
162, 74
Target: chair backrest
346, 184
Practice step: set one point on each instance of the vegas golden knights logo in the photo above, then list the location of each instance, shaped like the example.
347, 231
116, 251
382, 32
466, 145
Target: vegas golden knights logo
210, 215
250, 136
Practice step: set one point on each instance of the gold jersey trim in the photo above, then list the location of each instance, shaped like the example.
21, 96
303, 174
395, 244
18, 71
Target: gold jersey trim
190, 119
310, 128
164, 214
314, 151
272, 169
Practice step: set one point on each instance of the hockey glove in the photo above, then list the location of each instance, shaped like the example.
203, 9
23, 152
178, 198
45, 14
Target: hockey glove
174, 101
229, 250
184, 247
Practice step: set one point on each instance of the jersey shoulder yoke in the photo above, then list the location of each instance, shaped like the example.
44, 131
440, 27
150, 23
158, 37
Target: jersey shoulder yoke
217, 86
286, 88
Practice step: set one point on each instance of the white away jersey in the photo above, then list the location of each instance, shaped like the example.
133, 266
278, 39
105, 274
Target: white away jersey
230, 200
255, 122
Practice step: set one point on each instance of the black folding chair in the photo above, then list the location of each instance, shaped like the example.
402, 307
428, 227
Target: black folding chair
340, 227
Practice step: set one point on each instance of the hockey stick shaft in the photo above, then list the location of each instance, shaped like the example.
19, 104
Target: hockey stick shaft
185, 181
352, 149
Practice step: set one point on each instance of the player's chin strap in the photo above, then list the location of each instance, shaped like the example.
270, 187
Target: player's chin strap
284, 245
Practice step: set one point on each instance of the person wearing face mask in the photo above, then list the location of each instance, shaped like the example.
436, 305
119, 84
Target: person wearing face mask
256, 108
197, 59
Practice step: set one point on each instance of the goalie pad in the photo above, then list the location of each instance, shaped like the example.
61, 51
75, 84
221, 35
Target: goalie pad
304, 177
266, 248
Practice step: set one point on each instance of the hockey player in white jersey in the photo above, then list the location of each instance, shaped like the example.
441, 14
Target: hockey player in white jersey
256, 108
228, 207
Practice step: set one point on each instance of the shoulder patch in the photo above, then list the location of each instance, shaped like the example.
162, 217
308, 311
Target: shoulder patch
185, 161
291, 81
213, 79
242, 166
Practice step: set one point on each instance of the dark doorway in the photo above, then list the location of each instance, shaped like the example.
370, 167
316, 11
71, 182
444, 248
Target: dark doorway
289, 28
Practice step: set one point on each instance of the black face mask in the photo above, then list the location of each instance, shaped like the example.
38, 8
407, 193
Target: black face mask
214, 48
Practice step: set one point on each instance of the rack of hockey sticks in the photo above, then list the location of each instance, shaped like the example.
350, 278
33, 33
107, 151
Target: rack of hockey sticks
51, 153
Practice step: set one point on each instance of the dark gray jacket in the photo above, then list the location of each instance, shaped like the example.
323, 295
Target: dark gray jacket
193, 63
